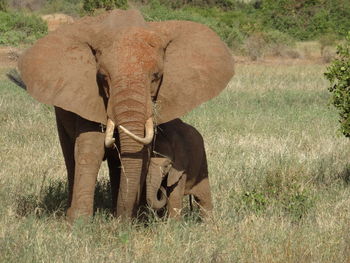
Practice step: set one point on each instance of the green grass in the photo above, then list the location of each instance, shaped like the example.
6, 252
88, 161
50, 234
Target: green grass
279, 173
20, 28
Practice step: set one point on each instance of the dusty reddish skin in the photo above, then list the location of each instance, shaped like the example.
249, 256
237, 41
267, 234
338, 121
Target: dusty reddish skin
182, 146
128, 56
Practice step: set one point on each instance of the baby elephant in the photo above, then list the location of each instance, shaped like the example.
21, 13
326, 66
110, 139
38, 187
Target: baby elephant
178, 167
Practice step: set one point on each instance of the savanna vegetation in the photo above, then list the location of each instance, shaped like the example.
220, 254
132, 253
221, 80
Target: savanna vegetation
279, 172
250, 27
278, 162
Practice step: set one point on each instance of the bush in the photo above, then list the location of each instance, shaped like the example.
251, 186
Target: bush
31, 5
16, 28
270, 42
90, 5
69, 7
338, 73
212, 17
3, 5
306, 19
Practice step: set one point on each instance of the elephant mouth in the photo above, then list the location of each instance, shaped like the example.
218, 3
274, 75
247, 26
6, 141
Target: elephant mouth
149, 133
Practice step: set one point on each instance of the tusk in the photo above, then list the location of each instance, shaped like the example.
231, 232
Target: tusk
109, 140
149, 132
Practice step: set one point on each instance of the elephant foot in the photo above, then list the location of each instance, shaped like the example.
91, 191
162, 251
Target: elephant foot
74, 214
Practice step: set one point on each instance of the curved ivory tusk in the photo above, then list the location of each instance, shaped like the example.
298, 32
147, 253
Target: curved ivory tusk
149, 132
109, 140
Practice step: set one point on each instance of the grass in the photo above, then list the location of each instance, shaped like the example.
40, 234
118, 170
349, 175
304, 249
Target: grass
279, 172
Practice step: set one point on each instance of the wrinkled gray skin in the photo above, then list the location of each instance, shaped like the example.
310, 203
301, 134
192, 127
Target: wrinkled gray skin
179, 164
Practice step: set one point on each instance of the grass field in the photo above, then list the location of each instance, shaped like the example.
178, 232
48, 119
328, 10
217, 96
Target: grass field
279, 172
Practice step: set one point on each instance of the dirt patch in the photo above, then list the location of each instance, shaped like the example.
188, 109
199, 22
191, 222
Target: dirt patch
54, 21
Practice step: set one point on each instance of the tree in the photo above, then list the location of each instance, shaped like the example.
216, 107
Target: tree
338, 73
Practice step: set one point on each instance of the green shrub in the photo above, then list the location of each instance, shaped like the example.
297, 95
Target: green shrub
17, 28
3, 5
28, 5
338, 73
90, 5
306, 19
270, 42
69, 7
212, 17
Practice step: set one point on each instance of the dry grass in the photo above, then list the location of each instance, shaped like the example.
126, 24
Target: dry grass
279, 175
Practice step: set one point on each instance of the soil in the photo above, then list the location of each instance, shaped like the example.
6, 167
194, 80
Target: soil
54, 21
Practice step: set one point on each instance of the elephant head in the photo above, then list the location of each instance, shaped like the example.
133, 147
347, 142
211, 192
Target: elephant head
177, 64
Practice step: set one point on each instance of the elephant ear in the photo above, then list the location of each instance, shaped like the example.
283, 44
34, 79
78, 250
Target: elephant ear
197, 66
60, 69
174, 176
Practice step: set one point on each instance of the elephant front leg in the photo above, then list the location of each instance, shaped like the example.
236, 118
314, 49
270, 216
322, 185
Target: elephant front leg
175, 198
89, 151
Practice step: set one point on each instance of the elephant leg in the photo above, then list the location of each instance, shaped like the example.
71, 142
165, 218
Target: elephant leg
114, 176
66, 132
201, 191
88, 155
175, 198
202, 195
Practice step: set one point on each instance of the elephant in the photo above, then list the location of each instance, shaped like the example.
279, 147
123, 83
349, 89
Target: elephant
179, 163
118, 68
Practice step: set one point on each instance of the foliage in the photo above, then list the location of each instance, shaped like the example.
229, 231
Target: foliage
225, 4
222, 23
69, 7
3, 5
338, 73
306, 19
90, 5
16, 28
270, 42
278, 191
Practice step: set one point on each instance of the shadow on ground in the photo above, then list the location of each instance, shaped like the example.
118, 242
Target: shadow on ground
52, 200
345, 175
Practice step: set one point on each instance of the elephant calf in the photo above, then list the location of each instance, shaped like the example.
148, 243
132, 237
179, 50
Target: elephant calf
178, 167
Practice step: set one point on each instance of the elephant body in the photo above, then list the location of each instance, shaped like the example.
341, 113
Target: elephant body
83, 150
179, 165
115, 67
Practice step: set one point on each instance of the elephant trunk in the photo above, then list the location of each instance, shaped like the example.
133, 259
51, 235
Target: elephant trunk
129, 107
153, 183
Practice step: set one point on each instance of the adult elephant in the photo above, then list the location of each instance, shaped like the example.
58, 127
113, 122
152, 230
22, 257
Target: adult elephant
116, 66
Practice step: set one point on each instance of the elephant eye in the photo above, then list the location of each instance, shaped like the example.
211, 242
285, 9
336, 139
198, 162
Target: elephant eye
156, 76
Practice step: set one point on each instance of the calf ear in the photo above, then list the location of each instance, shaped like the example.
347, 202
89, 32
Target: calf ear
174, 176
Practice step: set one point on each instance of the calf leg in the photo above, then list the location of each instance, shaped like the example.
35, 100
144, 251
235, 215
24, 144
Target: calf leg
201, 191
202, 195
175, 196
